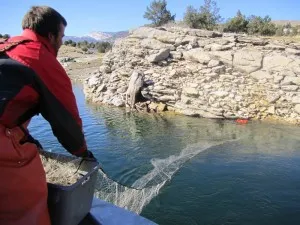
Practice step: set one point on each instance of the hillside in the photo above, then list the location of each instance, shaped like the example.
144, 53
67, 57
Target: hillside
78, 64
202, 73
284, 22
98, 36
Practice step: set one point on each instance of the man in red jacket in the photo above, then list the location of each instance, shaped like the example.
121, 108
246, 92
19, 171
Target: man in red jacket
31, 82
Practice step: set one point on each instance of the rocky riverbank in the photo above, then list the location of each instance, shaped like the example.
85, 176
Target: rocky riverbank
203, 73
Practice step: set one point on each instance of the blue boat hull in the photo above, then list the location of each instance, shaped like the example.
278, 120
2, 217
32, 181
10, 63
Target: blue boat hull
104, 213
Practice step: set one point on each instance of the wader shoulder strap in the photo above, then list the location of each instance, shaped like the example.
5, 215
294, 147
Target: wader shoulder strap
3, 40
6, 45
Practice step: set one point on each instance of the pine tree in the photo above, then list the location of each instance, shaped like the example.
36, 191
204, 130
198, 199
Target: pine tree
158, 13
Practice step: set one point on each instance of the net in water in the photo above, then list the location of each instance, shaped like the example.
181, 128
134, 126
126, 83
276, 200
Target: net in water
148, 186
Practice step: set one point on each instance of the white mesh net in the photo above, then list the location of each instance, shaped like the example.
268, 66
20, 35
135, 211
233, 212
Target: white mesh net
150, 184
143, 190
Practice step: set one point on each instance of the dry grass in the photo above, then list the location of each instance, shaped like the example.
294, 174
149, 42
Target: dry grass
289, 39
84, 64
80, 70
69, 51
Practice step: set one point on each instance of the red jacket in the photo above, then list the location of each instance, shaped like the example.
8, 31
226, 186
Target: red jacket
32, 81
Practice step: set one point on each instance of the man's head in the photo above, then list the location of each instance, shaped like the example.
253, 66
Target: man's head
46, 22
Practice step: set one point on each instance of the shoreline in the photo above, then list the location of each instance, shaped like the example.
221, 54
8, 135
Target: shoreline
80, 67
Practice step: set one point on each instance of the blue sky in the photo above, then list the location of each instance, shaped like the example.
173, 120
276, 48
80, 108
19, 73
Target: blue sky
116, 15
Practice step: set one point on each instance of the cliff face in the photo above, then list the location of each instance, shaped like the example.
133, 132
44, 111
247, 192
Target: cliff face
203, 73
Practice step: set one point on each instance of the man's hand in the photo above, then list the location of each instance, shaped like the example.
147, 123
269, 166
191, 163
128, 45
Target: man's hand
88, 155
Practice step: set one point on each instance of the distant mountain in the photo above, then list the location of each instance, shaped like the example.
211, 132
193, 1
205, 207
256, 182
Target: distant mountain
79, 39
98, 36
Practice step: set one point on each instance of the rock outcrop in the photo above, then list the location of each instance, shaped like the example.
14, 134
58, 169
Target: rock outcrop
203, 73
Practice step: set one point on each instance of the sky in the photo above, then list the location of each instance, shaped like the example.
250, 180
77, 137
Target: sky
87, 16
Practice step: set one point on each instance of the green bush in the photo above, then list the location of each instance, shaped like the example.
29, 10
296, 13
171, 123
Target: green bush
290, 30
294, 31
206, 18
70, 42
5, 36
103, 47
79, 44
158, 13
288, 25
85, 49
237, 24
261, 26
92, 45
192, 18
83, 44
279, 30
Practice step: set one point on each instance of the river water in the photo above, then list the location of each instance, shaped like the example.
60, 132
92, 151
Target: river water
193, 171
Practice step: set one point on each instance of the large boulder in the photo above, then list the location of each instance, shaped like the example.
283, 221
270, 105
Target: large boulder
148, 32
150, 43
260, 75
224, 56
160, 56
197, 55
275, 62
248, 60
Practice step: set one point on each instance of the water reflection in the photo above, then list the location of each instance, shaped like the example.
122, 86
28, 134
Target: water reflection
263, 138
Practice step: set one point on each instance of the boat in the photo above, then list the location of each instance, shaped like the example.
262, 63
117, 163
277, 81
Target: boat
104, 213
76, 204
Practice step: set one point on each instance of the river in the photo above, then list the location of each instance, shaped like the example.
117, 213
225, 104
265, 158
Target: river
203, 171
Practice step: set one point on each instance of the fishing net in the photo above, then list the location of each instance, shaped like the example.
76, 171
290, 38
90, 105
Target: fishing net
144, 189
62, 170
131, 198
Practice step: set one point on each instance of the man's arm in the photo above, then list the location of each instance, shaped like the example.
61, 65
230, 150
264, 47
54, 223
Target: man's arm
56, 101
58, 106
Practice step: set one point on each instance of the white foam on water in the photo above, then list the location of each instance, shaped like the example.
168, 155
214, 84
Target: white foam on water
151, 183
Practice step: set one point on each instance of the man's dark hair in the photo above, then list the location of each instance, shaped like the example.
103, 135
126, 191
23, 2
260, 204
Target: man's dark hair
43, 20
